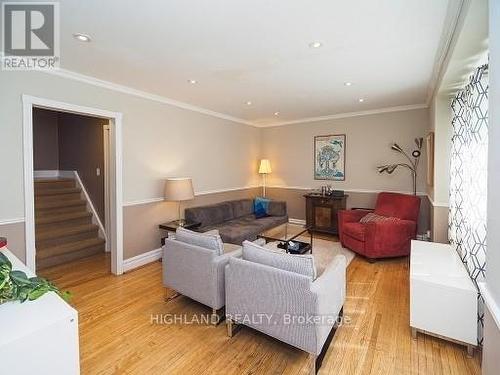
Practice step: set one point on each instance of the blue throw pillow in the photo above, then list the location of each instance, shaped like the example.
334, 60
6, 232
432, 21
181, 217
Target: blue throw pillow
260, 206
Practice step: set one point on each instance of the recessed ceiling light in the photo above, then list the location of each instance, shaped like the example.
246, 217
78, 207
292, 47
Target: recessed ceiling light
249, 102
361, 100
82, 37
315, 44
276, 113
192, 81
347, 83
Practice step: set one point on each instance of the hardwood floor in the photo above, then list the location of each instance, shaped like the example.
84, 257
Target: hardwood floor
117, 335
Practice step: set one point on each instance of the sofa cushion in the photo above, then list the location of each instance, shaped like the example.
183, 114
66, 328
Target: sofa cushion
277, 208
247, 228
211, 241
210, 215
301, 264
242, 207
260, 207
356, 230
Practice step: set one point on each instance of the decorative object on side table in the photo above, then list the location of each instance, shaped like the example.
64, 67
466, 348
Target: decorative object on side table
329, 157
178, 190
413, 163
264, 169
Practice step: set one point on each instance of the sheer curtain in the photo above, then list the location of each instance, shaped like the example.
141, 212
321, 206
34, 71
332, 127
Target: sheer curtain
468, 177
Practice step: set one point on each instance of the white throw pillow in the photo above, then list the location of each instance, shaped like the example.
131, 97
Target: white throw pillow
301, 264
211, 241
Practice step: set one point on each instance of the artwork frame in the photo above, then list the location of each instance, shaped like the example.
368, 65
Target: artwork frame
329, 162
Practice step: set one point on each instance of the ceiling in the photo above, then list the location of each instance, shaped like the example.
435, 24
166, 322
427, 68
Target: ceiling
259, 51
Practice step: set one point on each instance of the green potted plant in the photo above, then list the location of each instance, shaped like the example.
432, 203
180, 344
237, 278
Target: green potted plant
15, 285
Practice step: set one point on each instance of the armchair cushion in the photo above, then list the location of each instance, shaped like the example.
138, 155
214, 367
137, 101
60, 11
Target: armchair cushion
301, 264
208, 240
374, 217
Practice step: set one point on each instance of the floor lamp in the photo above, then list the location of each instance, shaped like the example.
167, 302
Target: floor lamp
264, 169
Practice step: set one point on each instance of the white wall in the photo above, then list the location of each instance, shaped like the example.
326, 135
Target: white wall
159, 140
492, 318
368, 139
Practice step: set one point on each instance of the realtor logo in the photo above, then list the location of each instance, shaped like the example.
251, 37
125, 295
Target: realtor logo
30, 35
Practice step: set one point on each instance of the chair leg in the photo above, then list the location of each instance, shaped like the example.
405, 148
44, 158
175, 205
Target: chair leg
217, 316
371, 260
470, 351
311, 359
413, 333
229, 325
232, 327
170, 294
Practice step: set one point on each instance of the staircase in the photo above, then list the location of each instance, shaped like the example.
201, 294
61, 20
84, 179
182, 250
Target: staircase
63, 227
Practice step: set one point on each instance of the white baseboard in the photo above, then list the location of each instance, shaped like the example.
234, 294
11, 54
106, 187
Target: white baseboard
142, 259
297, 221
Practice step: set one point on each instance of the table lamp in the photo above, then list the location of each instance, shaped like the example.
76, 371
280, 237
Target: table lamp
178, 190
264, 169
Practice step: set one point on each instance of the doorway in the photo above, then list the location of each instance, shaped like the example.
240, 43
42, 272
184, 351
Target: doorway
110, 211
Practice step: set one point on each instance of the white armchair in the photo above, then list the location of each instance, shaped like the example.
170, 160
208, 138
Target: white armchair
279, 295
194, 265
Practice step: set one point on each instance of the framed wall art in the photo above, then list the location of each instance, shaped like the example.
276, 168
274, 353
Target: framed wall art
329, 157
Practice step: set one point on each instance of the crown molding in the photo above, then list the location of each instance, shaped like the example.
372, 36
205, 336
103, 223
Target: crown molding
455, 18
346, 115
68, 74
64, 73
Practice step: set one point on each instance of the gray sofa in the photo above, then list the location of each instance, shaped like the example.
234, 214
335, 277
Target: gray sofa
235, 220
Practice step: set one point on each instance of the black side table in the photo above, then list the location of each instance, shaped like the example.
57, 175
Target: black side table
173, 225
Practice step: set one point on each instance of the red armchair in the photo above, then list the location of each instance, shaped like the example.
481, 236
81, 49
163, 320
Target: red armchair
386, 238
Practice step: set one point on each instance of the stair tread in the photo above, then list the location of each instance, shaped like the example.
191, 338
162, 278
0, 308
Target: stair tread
69, 257
49, 233
57, 191
45, 252
48, 180
61, 203
57, 217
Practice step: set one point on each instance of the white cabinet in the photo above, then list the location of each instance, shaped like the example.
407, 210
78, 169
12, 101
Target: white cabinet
443, 298
38, 337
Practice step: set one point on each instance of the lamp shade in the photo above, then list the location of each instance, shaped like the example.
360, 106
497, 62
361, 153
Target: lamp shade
179, 189
265, 166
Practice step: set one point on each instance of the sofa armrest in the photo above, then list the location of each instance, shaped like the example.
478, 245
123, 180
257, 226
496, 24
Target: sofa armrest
330, 291
384, 236
349, 216
186, 269
277, 208
260, 242
218, 266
